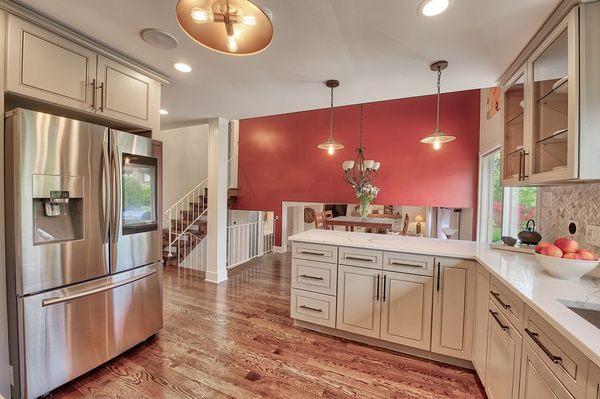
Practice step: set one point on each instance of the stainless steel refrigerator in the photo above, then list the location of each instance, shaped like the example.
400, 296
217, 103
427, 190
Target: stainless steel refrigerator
83, 246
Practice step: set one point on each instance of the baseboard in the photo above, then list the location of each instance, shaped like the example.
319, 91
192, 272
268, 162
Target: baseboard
213, 277
386, 345
278, 249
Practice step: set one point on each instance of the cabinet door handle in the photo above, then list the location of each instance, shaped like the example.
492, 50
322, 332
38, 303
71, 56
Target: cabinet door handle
352, 257
313, 309
520, 165
495, 316
102, 96
93, 94
439, 270
312, 253
377, 289
311, 277
497, 296
384, 286
525, 153
536, 338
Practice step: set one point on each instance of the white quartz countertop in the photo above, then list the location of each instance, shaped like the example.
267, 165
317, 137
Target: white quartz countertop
518, 271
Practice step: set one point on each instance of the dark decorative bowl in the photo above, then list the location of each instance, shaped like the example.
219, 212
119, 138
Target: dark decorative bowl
509, 241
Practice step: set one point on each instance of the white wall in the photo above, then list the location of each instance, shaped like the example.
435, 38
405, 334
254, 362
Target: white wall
490, 130
185, 160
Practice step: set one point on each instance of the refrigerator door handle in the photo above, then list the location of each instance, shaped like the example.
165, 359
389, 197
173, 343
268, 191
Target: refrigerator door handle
105, 192
117, 187
66, 298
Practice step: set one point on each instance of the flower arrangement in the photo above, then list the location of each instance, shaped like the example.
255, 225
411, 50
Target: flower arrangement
366, 195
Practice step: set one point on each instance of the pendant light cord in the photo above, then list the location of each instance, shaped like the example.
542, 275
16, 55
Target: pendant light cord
360, 136
331, 118
437, 116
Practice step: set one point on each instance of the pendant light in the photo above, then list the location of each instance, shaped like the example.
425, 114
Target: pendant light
331, 145
438, 138
235, 27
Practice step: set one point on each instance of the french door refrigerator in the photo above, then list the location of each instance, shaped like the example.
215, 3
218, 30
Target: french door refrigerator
83, 247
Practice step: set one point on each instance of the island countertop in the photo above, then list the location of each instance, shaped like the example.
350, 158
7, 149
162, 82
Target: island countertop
518, 271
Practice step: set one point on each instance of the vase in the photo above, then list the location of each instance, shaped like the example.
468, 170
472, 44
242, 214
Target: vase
363, 210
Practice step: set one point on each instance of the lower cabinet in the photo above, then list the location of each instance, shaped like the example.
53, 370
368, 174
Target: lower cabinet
480, 324
394, 307
593, 388
503, 356
358, 300
453, 305
406, 310
537, 381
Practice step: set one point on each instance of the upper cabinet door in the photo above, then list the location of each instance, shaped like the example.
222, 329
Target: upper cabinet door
127, 95
453, 307
554, 74
46, 66
515, 146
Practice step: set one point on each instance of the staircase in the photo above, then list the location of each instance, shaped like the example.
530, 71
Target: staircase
186, 223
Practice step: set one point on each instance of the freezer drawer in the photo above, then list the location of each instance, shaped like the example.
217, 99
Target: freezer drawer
68, 332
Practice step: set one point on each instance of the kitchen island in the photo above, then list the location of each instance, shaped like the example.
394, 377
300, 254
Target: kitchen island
458, 302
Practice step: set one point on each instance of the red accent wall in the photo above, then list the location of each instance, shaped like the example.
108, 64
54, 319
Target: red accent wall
279, 159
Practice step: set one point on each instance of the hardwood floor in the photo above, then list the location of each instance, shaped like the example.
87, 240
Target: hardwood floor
236, 340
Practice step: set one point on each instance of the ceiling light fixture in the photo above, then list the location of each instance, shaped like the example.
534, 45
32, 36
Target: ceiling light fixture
431, 8
164, 112
182, 67
331, 145
438, 138
236, 27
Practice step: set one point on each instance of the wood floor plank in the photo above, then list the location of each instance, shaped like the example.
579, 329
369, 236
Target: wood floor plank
236, 340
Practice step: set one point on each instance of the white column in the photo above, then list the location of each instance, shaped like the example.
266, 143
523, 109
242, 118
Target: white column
216, 268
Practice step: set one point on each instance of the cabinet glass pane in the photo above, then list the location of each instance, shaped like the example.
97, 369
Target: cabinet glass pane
514, 127
551, 96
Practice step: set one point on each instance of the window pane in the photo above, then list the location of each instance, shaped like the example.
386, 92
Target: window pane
522, 207
497, 195
490, 224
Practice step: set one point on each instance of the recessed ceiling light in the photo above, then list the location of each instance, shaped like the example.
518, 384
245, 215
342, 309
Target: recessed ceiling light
431, 8
164, 112
182, 67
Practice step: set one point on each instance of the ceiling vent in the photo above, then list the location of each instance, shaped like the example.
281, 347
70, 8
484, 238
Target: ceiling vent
159, 39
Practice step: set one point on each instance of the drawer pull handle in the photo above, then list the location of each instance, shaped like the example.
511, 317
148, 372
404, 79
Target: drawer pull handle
535, 337
353, 257
313, 309
311, 277
312, 253
497, 296
495, 316
396, 263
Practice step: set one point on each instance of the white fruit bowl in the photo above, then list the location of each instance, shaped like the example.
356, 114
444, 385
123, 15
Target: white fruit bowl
568, 269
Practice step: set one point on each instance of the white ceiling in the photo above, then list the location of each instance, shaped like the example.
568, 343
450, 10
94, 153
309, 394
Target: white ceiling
377, 49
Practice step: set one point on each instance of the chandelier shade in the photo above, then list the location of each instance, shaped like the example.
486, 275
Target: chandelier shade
438, 138
235, 27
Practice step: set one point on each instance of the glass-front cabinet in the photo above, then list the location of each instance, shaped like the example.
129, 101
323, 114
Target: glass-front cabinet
551, 121
554, 75
513, 146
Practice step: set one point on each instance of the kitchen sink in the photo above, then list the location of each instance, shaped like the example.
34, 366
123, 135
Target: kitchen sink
586, 310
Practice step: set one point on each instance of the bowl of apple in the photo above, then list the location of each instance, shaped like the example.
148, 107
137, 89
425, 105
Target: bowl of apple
564, 259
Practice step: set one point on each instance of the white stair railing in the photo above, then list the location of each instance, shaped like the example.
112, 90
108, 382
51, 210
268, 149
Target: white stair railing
184, 214
249, 240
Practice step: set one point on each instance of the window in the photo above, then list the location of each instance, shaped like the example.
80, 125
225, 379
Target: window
502, 211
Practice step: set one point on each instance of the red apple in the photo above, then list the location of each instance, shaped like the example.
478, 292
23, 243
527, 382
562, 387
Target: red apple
587, 255
552, 250
567, 245
572, 255
538, 248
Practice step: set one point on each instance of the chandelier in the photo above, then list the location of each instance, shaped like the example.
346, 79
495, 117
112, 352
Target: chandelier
361, 172
331, 145
438, 138
236, 27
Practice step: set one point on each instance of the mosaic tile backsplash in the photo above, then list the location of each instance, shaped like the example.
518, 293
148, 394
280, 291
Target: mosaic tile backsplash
561, 205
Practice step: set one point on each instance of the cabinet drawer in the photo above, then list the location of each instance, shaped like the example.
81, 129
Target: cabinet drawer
537, 381
314, 276
313, 308
507, 302
408, 263
567, 363
318, 252
361, 257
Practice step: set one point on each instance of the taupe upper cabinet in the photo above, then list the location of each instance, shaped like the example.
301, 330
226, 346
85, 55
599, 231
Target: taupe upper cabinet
558, 93
52, 68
